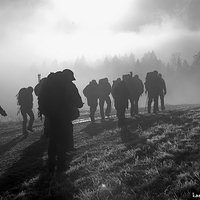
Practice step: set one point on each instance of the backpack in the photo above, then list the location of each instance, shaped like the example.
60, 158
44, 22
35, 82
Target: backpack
22, 97
48, 97
52, 100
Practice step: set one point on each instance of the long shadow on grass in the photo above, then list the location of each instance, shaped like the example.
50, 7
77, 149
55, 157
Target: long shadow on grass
131, 139
6, 147
58, 187
94, 129
146, 121
30, 164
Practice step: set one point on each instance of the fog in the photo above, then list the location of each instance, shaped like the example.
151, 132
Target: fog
99, 39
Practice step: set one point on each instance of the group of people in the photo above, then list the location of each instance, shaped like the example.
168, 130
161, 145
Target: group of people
156, 88
59, 102
101, 91
125, 90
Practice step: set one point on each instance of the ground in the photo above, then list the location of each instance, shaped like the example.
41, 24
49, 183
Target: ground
158, 157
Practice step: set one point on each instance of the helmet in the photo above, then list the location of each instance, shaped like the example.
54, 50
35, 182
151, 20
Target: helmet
68, 74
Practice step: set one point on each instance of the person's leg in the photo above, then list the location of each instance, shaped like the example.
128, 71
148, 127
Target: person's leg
46, 127
155, 106
66, 144
93, 108
68, 129
162, 101
121, 117
101, 105
31, 115
132, 107
136, 105
24, 116
108, 108
149, 103
52, 151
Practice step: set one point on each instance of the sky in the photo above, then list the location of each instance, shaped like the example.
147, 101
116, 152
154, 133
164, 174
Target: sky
36, 31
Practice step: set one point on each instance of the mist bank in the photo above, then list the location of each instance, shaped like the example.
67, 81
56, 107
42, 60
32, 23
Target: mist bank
181, 77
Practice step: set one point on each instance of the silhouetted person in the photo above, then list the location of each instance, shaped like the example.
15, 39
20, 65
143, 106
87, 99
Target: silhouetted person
120, 94
162, 91
25, 100
3, 112
104, 92
91, 92
152, 88
59, 101
37, 91
135, 93
115, 82
39, 86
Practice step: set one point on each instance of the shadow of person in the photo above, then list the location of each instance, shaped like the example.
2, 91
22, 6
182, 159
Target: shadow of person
60, 186
29, 165
94, 129
57, 186
131, 139
6, 147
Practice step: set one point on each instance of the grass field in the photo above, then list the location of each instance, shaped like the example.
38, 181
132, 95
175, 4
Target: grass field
157, 158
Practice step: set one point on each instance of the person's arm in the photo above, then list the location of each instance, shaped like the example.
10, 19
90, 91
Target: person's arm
76, 98
3, 112
164, 87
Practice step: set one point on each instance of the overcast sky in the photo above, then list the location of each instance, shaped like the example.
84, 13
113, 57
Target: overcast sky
32, 31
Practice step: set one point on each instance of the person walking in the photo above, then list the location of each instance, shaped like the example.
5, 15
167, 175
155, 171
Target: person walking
25, 101
162, 91
104, 92
120, 94
91, 92
152, 90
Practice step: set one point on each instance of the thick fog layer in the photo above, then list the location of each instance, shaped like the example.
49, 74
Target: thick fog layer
99, 39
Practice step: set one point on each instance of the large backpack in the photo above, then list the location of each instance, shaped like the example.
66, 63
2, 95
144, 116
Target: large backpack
22, 97
54, 100
50, 96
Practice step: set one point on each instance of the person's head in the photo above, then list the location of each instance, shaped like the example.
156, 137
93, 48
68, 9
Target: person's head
155, 72
136, 76
93, 82
30, 89
68, 75
103, 81
160, 75
126, 77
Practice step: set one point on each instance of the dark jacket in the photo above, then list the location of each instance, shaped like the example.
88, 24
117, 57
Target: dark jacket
104, 88
120, 94
91, 92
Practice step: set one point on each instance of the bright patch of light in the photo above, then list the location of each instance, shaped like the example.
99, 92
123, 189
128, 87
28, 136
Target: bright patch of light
90, 14
68, 29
